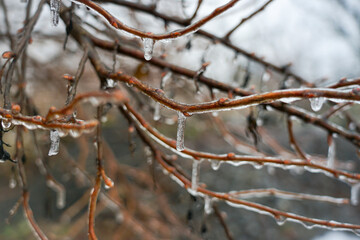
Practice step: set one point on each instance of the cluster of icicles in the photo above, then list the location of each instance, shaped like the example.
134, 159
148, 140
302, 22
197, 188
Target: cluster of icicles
316, 105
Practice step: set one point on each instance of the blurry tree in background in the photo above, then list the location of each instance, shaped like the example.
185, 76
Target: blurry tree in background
129, 120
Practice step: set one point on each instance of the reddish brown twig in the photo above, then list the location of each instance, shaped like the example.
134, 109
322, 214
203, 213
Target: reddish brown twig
293, 141
175, 34
239, 159
227, 36
279, 216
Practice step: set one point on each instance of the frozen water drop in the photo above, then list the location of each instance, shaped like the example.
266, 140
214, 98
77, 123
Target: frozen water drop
316, 103
55, 9
109, 183
110, 83
195, 175
180, 132
215, 165
148, 48
280, 220
54, 142
354, 199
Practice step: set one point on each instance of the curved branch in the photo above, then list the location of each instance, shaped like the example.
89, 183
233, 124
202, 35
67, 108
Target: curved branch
175, 34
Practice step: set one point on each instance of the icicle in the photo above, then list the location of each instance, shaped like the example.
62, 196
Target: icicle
54, 142
55, 9
148, 48
266, 76
215, 165
157, 112
12, 182
148, 154
165, 79
60, 192
331, 153
195, 175
180, 132
354, 199
316, 103
207, 205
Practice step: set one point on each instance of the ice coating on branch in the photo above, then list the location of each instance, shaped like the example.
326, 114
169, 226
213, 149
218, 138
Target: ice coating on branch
55, 9
289, 99
148, 48
54, 142
316, 103
195, 175
180, 132
354, 199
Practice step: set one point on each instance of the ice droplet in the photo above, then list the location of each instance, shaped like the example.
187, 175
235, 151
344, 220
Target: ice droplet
354, 199
215, 165
195, 175
316, 103
207, 205
280, 220
110, 83
109, 183
54, 142
148, 48
180, 132
55, 9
